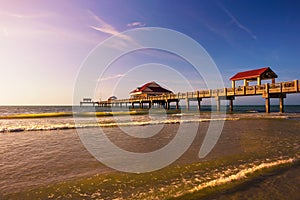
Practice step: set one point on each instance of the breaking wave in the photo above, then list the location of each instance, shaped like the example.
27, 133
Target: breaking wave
242, 174
56, 125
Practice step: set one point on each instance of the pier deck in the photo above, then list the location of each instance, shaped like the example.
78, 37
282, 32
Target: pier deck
267, 91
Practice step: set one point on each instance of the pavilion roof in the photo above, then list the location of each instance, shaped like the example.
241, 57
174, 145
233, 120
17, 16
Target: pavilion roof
151, 87
263, 73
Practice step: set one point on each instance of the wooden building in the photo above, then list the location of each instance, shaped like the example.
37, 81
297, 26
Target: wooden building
148, 90
112, 98
254, 75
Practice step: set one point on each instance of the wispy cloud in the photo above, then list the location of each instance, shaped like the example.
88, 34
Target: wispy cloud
136, 24
111, 77
102, 26
236, 22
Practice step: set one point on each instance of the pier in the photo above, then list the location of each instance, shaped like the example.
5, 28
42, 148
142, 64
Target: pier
88, 101
267, 91
153, 95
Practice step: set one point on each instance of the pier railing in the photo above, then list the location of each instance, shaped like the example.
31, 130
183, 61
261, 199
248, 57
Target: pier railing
277, 88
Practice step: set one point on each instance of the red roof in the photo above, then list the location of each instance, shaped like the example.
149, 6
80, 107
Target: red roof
250, 74
155, 88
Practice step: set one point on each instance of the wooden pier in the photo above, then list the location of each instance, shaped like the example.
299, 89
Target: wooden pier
267, 91
88, 101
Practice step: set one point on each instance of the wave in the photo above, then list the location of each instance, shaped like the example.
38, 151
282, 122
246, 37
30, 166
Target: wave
65, 120
37, 115
181, 188
242, 174
175, 113
64, 126
230, 175
70, 114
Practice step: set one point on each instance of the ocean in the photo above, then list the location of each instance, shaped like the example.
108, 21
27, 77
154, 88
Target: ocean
42, 155
43, 118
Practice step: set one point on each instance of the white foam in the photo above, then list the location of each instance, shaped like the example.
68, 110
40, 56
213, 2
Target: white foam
46, 126
240, 175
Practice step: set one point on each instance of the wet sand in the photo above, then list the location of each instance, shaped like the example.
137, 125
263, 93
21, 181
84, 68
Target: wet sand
37, 161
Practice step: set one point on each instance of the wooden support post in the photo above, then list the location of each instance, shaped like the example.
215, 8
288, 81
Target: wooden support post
199, 103
258, 80
132, 104
177, 104
218, 104
273, 81
296, 85
268, 105
233, 84
267, 91
281, 104
231, 105
187, 103
168, 105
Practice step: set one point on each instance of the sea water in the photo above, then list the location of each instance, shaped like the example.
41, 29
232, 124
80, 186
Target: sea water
39, 150
43, 118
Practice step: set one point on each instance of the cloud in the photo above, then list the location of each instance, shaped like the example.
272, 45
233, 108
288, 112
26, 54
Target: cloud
102, 26
111, 77
124, 41
237, 23
136, 24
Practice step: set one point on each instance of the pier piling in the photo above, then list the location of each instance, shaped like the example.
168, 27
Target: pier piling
231, 105
268, 105
281, 104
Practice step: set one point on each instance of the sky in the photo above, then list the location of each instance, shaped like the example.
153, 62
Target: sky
44, 44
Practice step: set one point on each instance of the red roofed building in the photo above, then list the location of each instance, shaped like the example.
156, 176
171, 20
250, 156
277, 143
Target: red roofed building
254, 75
112, 98
149, 89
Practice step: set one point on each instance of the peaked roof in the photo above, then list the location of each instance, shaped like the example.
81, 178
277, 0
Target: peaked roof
112, 98
265, 73
151, 87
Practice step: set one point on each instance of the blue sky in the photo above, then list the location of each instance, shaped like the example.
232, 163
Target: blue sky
44, 43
